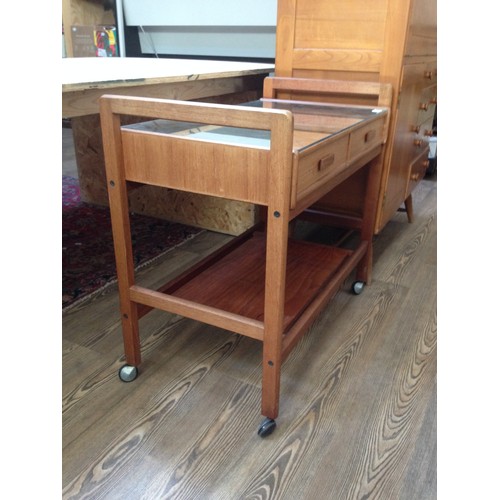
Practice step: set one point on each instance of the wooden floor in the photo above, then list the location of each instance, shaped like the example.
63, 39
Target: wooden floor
358, 400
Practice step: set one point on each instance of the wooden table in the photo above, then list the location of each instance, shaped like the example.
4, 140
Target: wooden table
85, 80
280, 155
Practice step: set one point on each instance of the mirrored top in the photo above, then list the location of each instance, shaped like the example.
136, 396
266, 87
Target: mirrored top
313, 123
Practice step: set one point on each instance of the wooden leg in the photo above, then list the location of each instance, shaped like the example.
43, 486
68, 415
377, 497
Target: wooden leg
274, 306
130, 332
120, 222
276, 256
271, 373
409, 208
364, 269
276, 253
126, 278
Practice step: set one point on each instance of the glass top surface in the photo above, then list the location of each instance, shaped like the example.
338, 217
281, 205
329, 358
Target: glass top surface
313, 123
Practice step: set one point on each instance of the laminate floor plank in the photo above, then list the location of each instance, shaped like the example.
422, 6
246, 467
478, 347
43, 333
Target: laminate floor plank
137, 418
384, 444
328, 420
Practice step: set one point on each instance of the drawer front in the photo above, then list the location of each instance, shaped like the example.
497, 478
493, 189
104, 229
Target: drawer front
419, 92
417, 170
421, 74
427, 104
421, 136
365, 138
321, 165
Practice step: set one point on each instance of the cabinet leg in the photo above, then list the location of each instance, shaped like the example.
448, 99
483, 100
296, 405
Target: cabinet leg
409, 208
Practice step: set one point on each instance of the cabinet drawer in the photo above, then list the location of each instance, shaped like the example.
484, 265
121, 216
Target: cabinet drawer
417, 170
427, 104
421, 137
421, 74
424, 130
321, 165
365, 138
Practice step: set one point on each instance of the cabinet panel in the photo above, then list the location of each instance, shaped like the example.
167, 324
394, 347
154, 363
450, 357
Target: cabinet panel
422, 29
342, 24
339, 36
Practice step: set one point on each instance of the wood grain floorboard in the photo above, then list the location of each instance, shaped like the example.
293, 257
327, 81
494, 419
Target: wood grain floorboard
358, 402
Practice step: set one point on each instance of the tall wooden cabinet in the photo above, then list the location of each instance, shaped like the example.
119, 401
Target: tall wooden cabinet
389, 41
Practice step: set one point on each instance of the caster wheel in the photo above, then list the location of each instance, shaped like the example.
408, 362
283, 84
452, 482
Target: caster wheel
357, 287
266, 427
128, 373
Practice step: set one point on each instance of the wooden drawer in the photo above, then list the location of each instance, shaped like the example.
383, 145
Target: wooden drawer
424, 129
421, 74
320, 165
427, 104
421, 137
417, 170
365, 138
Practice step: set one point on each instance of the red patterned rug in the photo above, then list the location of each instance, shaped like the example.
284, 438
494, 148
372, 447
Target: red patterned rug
88, 262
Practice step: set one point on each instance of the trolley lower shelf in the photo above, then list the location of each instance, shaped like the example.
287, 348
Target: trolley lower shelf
234, 285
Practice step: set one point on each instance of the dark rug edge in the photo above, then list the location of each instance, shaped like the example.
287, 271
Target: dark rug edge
92, 295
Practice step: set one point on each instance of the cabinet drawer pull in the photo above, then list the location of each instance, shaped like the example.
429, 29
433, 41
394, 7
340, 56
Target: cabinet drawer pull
418, 143
326, 162
424, 106
415, 128
433, 100
426, 163
428, 133
428, 75
369, 136
414, 177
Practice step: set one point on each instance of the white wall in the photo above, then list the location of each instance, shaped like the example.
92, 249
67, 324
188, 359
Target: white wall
234, 28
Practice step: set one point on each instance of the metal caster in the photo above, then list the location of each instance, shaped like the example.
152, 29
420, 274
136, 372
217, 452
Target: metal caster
127, 373
357, 287
266, 427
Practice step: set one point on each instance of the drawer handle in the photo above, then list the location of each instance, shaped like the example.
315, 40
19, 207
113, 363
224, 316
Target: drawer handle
428, 133
424, 106
433, 100
426, 163
418, 142
326, 162
414, 177
428, 75
416, 129
369, 136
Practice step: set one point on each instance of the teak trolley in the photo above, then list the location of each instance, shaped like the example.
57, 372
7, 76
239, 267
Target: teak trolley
281, 155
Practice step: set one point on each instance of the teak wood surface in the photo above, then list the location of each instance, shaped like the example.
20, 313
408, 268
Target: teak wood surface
292, 283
